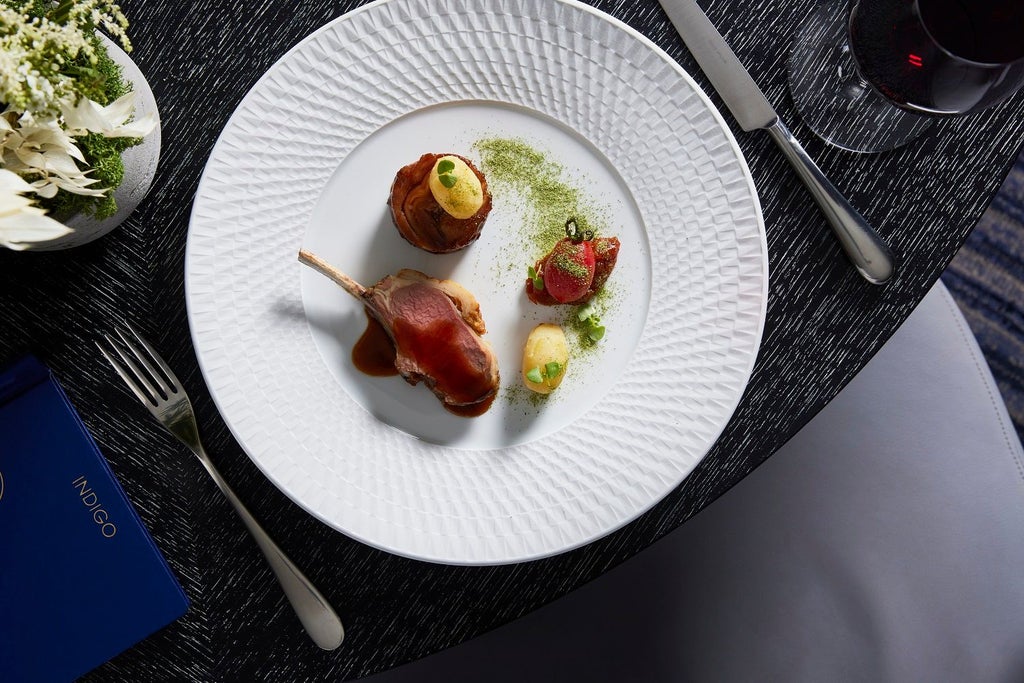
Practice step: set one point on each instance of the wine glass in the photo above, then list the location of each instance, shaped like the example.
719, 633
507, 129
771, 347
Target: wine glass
873, 78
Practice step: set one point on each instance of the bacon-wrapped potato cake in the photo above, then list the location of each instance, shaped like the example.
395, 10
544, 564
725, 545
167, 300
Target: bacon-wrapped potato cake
439, 203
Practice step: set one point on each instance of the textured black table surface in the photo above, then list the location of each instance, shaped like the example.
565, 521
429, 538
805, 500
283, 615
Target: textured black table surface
824, 322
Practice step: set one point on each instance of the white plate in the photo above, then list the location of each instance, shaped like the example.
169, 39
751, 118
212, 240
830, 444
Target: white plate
307, 160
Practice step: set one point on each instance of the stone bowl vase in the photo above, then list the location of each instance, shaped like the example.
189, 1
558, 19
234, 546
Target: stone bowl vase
140, 164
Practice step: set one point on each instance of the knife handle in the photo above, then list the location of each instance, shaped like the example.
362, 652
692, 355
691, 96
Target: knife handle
866, 250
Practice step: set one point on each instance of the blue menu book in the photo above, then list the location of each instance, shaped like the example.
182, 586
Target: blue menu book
80, 577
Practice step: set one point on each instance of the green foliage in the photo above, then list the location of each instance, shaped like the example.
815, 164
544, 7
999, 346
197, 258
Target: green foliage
100, 81
35, 8
107, 82
57, 42
103, 155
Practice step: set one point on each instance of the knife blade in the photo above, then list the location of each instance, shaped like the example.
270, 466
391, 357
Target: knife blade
752, 110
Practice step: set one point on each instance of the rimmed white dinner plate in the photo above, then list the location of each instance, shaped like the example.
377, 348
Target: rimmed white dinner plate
307, 160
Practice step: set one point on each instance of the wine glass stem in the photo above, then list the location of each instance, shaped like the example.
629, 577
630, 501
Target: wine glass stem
852, 83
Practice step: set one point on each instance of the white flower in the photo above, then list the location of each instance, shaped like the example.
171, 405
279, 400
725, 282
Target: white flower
21, 223
30, 78
45, 112
42, 150
111, 121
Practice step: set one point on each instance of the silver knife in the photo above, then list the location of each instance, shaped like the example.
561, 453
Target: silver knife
866, 250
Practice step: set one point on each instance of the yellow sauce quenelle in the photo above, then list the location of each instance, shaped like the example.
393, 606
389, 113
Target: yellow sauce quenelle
455, 187
545, 357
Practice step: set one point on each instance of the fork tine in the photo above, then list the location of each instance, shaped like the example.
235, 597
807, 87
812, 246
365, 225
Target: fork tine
141, 377
152, 375
129, 379
175, 384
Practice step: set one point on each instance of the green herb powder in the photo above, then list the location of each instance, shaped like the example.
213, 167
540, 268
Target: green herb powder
549, 201
546, 201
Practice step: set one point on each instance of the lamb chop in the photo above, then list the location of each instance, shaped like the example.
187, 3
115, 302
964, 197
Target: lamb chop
435, 326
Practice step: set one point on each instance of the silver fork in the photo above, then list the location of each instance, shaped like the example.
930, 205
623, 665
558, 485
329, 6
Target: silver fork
161, 392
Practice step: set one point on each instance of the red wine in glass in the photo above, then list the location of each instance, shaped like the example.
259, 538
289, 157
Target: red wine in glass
939, 57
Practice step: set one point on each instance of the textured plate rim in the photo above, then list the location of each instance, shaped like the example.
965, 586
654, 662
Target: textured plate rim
758, 216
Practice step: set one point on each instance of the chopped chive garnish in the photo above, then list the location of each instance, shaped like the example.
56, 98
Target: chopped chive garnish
445, 166
535, 278
552, 369
590, 322
448, 180
534, 375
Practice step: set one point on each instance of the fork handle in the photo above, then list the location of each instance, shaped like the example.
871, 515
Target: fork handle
317, 616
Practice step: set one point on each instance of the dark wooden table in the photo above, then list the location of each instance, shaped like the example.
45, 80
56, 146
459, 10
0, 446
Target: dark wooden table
824, 323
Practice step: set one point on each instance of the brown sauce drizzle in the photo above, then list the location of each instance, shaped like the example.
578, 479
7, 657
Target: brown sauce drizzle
374, 353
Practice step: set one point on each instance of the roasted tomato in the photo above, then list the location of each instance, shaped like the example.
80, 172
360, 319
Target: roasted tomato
568, 270
574, 270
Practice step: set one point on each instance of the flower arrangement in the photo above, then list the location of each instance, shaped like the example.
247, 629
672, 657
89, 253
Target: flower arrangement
65, 116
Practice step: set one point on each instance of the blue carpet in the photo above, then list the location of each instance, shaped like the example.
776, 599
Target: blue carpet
987, 280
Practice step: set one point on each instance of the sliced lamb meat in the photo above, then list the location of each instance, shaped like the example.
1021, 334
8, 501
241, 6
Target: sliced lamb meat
435, 326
